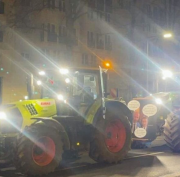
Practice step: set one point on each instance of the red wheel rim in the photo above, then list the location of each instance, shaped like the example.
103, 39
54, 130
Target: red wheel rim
115, 136
43, 151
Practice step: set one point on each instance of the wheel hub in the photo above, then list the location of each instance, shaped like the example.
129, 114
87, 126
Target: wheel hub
43, 151
115, 136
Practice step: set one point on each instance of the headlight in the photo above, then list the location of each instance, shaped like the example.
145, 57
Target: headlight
64, 71
158, 101
60, 97
42, 73
67, 80
39, 83
2, 115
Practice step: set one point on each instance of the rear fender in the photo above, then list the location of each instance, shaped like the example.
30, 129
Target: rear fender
95, 111
49, 122
121, 107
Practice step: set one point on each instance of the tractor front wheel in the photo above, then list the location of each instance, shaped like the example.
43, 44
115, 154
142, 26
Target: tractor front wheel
112, 138
172, 132
38, 150
5, 157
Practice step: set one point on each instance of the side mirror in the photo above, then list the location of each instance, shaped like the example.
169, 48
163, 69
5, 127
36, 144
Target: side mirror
106, 94
114, 93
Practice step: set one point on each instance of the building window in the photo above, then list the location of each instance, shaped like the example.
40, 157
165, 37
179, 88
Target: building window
127, 4
92, 4
85, 59
52, 36
74, 37
1, 7
62, 34
124, 4
121, 4
73, 8
99, 41
108, 44
100, 5
148, 27
1, 36
149, 12
107, 17
90, 13
90, 39
93, 60
42, 32
25, 55
51, 4
62, 5
45, 52
156, 14
99, 15
25, 2
108, 6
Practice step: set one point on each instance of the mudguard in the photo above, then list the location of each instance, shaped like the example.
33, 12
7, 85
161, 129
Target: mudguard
95, 110
28, 109
49, 122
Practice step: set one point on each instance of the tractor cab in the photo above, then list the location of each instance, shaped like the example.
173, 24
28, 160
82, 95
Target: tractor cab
76, 89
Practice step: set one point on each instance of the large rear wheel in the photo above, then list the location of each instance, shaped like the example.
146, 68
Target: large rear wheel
112, 138
6, 152
39, 150
172, 132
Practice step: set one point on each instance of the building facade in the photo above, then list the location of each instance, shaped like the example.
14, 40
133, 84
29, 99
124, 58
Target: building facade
36, 34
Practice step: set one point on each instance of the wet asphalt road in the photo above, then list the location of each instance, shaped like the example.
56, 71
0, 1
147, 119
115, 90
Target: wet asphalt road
152, 162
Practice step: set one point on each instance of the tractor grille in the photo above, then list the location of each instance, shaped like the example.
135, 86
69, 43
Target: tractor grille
31, 109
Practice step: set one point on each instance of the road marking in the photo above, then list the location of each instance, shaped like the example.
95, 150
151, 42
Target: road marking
143, 155
71, 168
172, 175
133, 157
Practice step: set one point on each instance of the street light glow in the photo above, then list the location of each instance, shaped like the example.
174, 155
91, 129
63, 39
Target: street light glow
107, 64
3, 115
67, 80
64, 71
167, 74
167, 35
158, 101
39, 83
60, 97
26, 97
42, 73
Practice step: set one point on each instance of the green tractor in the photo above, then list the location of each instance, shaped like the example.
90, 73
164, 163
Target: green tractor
73, 115
154, 115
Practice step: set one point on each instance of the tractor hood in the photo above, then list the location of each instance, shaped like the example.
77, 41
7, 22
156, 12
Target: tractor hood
17, 115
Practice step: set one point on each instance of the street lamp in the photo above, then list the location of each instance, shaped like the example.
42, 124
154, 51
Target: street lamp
64, 71
42, 73
39, 83
166, 35
167, 74
67, 80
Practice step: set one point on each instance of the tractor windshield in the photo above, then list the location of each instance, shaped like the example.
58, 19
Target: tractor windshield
81, 84
53, 86
85, 84
79, 88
